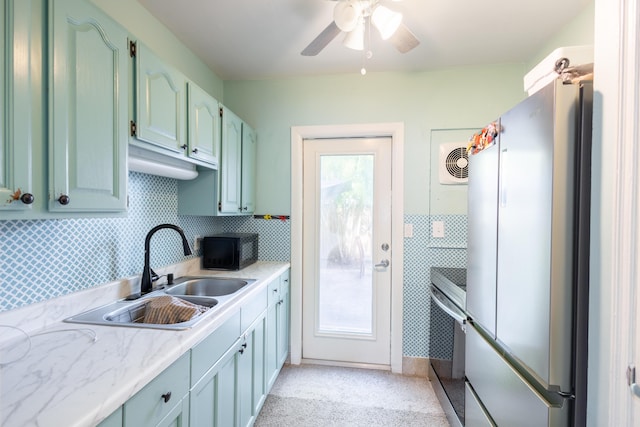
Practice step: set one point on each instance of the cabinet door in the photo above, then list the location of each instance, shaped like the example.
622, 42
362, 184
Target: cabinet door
204, 125
230, 168
20, 105
283, 320
87, 109
213, 398
245, 383
249, 151
251, 374
271, 345
259, 365
160, 102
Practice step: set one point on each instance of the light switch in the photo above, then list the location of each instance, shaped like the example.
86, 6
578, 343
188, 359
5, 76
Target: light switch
408, 230
438, 229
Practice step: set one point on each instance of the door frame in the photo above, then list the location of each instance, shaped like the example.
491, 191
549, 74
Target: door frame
396, 132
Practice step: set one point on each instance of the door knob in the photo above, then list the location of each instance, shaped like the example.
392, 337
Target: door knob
384, 263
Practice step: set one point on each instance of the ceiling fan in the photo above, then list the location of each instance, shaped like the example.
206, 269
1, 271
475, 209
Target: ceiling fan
355, 17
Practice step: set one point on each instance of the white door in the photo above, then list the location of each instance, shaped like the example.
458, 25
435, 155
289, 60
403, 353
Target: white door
346, 278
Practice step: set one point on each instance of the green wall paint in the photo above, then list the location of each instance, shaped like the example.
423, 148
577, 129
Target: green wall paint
578, 32
465, 97
145, 27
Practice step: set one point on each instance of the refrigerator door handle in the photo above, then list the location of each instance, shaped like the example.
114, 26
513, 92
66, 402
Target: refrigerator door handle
502, 185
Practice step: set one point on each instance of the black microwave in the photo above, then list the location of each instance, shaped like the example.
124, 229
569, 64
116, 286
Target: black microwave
229, 251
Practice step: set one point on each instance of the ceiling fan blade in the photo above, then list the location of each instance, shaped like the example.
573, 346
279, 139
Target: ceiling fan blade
323, 39
403, 39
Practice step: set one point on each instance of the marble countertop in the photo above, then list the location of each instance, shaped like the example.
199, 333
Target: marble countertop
68, 374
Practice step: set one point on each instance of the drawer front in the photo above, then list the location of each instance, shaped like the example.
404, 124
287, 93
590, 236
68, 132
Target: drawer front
252, 309
207, 352
509, 400
274, 292
474, 413
148, 407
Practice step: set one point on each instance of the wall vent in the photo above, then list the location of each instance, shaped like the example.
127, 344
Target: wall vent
453, 163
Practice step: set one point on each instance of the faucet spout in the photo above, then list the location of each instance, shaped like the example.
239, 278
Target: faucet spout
146, 282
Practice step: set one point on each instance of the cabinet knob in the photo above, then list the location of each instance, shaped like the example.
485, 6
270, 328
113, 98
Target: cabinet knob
195, 150
166, 397
183, 146
27, 198
64, 199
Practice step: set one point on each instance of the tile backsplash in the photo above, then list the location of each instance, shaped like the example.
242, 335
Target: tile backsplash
44, 259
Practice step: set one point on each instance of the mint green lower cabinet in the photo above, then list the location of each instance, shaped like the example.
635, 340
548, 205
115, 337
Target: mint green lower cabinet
251, 373
213, 397
113, 420
259, 366
284, 319
271, 347
278, 319
164, 401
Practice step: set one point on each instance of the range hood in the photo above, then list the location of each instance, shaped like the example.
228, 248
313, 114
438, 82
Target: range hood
152, 163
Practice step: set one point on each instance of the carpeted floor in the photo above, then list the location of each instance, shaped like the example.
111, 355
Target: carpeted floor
320, 396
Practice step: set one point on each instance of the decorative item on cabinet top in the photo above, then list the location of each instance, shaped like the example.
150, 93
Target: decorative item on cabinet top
152, 163
269, 216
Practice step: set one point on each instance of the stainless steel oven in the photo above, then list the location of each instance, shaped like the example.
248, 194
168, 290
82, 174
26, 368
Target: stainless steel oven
446, 340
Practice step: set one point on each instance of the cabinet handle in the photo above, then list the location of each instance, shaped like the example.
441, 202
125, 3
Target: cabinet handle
166, 397
183, 146
27, 198
244, 346
245, 208
195, 150
64, 199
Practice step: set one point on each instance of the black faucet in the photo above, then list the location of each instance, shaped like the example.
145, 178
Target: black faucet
146, 283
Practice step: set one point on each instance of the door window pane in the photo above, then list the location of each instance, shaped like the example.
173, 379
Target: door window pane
345, 285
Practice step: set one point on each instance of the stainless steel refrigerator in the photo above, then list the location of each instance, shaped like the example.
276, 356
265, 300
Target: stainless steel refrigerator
527, 272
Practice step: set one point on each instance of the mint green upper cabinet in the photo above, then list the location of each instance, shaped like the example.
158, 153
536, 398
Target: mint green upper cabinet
160, 102
204, 125
249, 151
21, 106
230, 169
88, 109
237, 166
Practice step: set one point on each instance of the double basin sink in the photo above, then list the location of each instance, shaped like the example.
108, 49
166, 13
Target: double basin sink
208, 291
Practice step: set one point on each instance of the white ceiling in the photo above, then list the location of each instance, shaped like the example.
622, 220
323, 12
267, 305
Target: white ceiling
257, 39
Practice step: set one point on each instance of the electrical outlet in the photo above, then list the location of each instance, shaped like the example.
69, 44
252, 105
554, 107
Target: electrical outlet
438, 229
196, 243
408, 230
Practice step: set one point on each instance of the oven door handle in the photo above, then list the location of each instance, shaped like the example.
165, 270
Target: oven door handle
457, 314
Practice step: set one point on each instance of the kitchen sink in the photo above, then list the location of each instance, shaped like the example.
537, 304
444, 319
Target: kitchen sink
199, 290
207, 286
131, 313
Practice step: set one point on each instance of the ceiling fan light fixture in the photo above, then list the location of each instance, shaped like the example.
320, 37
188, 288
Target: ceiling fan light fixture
386, 21
355, 39
346, 14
